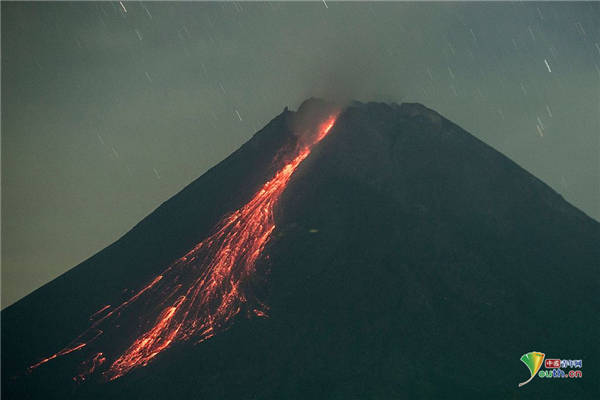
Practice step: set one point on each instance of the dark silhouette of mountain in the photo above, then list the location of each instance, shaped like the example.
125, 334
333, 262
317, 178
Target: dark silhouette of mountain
408, 260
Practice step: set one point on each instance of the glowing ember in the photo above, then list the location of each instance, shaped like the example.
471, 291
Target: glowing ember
198, 295
88, 367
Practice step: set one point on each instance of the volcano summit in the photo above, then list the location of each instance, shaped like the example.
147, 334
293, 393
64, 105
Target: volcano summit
373, 251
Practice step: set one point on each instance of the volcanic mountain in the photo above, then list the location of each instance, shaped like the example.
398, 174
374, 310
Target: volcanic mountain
372, 251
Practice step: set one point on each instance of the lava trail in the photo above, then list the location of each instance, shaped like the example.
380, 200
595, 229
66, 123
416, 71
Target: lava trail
198, 294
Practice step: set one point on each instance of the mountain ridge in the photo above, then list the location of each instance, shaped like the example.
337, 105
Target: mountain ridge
398, 213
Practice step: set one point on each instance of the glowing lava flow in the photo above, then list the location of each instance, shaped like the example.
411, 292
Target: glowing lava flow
199, 294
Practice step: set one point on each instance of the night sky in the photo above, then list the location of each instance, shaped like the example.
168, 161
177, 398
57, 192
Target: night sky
109, 109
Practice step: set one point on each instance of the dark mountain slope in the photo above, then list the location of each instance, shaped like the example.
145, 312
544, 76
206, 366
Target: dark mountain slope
44, 321
410, 260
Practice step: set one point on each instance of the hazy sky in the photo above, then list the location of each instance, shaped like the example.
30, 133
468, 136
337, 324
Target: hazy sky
109, 110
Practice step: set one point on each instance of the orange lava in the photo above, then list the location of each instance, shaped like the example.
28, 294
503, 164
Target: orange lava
197, 295
88, 367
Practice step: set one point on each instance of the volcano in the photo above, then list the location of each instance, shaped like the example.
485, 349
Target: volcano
367, 251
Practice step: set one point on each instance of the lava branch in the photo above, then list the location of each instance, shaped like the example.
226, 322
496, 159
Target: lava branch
198, 294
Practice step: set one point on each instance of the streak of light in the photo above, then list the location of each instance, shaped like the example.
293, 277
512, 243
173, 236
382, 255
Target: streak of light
200, 293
